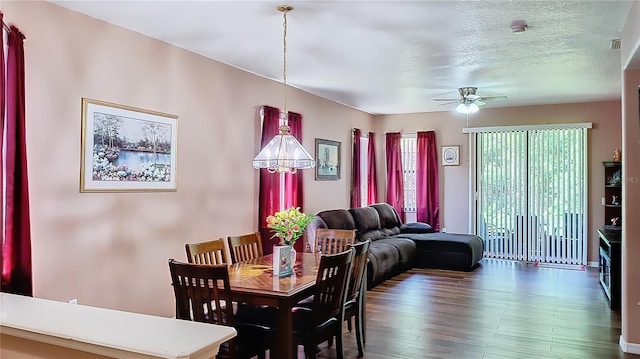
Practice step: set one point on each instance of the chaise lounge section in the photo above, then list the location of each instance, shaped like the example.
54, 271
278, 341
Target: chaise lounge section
397, 247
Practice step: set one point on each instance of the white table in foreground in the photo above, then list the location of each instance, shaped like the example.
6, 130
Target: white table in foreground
107, 332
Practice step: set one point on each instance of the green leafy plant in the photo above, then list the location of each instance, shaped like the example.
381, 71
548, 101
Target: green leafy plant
289, 225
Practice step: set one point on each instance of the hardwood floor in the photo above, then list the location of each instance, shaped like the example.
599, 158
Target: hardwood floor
502, 310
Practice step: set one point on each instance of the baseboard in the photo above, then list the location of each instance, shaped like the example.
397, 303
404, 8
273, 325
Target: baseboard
631, 348
593, 264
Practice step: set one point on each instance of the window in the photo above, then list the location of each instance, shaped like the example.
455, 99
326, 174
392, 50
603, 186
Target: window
364, 169
408, 149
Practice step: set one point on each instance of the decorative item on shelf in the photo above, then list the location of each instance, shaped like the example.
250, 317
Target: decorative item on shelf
288, 226
617, 155
283, 154
616, 179
614, 221
614, 201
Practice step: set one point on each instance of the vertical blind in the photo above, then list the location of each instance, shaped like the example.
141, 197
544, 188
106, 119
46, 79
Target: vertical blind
408, 149
364, 170
531, 194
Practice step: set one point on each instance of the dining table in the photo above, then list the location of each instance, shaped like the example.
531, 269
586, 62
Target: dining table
253, 282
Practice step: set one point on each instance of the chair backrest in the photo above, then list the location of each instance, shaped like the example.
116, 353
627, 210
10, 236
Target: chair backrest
358, 269
211, 252
202, 292
334, 271
245, 247
331, 241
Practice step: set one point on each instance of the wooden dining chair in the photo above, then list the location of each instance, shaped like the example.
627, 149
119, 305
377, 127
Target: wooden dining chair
322, 319
210, 252
354, 306
330, 241
202, 293
245, 247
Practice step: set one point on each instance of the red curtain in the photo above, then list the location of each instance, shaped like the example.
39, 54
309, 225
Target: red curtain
372, 183
356, 180
16, 265
427, 193
395, 181
2, 107
269, 195
293, 182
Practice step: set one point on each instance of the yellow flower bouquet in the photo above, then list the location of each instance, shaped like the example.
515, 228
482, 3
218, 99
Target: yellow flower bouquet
289, 225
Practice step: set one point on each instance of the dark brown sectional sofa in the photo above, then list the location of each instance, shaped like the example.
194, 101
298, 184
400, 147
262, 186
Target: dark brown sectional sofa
397, 247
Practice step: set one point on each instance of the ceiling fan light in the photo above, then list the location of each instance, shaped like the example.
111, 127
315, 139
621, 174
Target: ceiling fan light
467, 108
462, 108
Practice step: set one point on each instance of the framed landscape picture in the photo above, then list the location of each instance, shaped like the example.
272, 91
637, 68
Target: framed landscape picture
327, 160
127, 149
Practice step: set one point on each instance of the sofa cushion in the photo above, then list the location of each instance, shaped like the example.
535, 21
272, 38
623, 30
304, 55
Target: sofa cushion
388, 232
337, 219
383, 261
416, 227
447, 250
388, 216
367, 223
406, 250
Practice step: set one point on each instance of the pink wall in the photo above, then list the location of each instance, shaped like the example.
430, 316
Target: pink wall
111, 249
630, 210
630, 48
454, 180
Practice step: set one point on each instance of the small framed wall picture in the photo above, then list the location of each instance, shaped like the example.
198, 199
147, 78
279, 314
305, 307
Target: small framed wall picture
327, 160
450, 155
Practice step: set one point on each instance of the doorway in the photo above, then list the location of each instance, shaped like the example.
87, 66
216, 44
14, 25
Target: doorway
531, 193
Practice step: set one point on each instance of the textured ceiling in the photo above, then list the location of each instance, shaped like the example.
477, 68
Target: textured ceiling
386, 57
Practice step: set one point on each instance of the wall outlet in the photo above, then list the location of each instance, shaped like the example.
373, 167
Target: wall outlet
444, 230
73, 301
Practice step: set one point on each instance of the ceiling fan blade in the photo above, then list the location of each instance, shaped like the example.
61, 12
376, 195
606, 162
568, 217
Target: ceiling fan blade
449, 103
446, 99
479, 103
484, 98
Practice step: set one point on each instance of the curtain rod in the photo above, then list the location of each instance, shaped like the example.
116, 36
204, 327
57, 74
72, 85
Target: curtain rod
8, 29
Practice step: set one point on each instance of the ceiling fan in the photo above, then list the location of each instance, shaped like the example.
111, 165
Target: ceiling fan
469, 101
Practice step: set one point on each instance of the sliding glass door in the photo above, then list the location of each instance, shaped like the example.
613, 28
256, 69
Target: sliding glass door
531, 193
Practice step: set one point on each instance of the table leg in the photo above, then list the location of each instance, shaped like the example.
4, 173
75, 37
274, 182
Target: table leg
284, 347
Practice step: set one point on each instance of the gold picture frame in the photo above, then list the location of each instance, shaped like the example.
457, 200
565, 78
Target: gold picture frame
127, 149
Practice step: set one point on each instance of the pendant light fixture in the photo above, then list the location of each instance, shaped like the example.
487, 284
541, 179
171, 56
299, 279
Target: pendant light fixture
284, 154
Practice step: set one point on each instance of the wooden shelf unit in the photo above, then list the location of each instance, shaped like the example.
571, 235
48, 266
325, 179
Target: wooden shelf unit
610, 268
610, 245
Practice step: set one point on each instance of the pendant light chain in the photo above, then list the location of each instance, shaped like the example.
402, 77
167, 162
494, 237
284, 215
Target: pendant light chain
284, 60
283, 154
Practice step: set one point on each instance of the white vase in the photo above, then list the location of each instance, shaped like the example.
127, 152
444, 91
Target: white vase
282, 266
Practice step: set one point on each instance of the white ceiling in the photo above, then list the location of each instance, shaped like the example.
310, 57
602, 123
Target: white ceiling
386, 57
